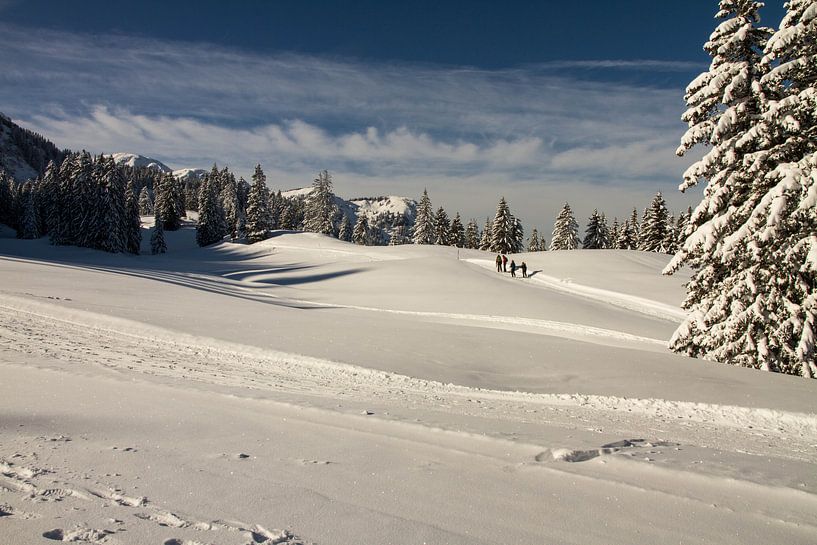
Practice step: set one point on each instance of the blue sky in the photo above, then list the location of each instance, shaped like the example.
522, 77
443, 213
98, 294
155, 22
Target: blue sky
543, 102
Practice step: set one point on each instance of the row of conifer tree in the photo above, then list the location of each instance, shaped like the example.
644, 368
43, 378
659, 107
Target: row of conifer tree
86, 201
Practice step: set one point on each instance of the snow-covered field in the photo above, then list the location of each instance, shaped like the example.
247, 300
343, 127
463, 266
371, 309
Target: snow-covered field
306, 390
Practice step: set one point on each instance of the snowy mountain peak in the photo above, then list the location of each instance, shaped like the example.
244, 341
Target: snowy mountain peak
188, 174
136, 160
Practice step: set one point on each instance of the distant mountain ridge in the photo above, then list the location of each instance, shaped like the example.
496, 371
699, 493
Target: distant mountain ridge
136, 160
372, 207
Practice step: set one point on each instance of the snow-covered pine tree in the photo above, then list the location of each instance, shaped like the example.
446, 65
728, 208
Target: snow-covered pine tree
47, 196
167, 192
110, 218
457, 232
82, 196
594, 238
565, 231
635, 228
320, 208
654, 225
212, 225
778, 219
360, 234
145, 202
60, 221
517, 235
243, 192
133, 219
286, 218
228, 201
275, 204
605, 232
729, 297
683, 220
670, 243
472, 235
487, 235
157, 237
345, 231
612, 239
29, 224
442, 228
533, 241
423, 231
626, 237
503, 229
259, 218
5, 198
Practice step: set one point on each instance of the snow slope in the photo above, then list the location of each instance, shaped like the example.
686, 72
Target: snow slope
307, 390
136, 160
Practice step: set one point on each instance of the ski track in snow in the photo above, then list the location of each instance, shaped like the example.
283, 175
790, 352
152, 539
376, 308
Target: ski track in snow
634, 303
21, 476
83, 337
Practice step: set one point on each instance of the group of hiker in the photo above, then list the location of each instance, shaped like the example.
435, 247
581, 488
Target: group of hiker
502, 266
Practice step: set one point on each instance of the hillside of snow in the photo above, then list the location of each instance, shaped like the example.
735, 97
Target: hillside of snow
189, 174
307, 390
139, 161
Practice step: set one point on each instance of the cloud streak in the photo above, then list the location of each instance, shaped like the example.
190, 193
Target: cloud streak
535, 132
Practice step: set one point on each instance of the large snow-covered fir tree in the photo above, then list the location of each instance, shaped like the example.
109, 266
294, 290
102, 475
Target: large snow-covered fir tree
472, 235
157, 237
423, 231
133, 221
229, 203
145, 202
457, 232
259, 218
442, 228
565, 231
782, 211
345, 230
212, 225
751, 240
320, 209
487, 235
360, 234
503, 230
110, 218
167, 199
533, 241
626, 239
595, 237
29, 223
654, 226
670, 243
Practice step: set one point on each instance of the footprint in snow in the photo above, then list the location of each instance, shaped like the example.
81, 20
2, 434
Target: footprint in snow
573, 455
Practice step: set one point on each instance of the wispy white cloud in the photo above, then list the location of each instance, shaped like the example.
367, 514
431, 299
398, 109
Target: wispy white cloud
535, 133
628, 64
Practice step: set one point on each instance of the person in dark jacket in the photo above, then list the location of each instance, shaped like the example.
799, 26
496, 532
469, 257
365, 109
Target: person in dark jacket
524, 267
513, 269
498, 263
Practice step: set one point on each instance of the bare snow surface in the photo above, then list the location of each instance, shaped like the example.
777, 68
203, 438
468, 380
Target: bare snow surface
305, 390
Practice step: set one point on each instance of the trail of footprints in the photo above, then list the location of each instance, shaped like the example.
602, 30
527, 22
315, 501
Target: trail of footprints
24, 484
